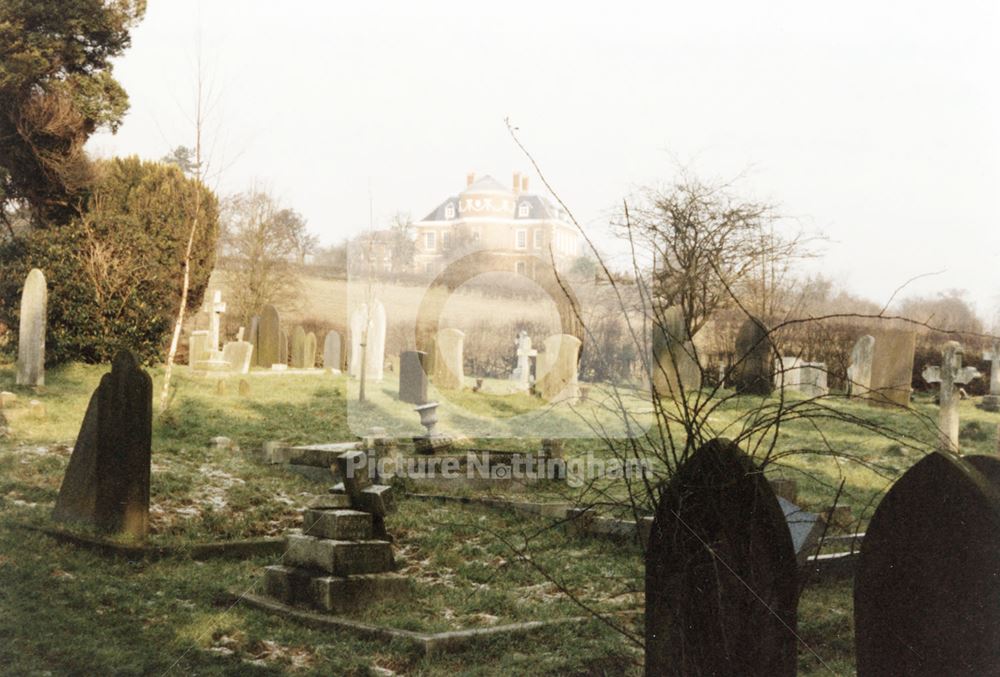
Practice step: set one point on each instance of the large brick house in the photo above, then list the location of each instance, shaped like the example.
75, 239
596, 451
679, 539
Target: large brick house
522, 229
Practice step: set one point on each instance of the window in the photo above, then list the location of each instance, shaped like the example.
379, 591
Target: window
522, 210
445, 240
520, 268
538, 238
449, 211
521, 239
475, 236
430, 240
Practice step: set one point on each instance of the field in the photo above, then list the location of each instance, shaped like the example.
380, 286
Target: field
64, 609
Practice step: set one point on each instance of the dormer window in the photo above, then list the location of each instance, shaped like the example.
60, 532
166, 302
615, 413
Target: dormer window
523, 209
449, 211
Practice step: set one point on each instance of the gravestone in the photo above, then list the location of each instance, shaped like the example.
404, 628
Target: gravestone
309, 351
254, 338
449, 359
807, 378
859, 372
107, 481
926, 591
892, 368
751, 373
991, 402
215, 309
721, 572
198, 347
244, 387
239, 355
269, 338
558, 376
675, 364
298, 348
282, 348
412, 377
525, 356
368, 328
951, 374
31, 330
332, 351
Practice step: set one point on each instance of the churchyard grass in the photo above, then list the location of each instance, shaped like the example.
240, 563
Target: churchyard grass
66, 608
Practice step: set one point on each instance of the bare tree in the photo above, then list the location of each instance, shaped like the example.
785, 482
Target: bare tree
702, 242
260, 242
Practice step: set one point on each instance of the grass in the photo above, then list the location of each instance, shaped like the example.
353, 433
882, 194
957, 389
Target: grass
66, 610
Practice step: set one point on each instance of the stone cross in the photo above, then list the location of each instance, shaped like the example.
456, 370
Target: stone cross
524, 354
215, 309
950, 375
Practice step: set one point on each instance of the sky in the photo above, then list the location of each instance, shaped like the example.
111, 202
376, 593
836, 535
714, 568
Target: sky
875, 124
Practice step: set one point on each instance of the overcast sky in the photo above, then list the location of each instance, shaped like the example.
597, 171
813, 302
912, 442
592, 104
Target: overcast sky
874, 123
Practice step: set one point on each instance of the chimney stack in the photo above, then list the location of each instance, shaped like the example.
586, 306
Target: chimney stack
470, 178
517, 182
524, 184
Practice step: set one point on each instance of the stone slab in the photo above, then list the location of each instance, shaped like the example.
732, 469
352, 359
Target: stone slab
342, 558
337, 524
337, 594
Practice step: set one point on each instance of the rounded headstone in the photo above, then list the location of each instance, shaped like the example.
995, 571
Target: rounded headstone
269, 337
927, 587
31, 331
754, 359
721, 574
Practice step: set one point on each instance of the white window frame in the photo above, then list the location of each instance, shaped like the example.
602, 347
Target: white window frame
521, 238
445, 239
523, 210
430, 240
449, 211
538, 238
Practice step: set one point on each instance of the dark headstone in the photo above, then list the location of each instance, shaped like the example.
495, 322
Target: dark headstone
721, 574
412, 377
927, 587
268, 352
282, 347
752, 368
107, 482
254, 338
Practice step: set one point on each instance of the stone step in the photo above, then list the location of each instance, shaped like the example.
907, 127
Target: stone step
287, 584
338, 594
378, 499
342, 558
330, 502
340, 525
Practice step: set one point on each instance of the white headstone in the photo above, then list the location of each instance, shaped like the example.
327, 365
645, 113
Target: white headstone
558, 377
31, 332
215, 308
449, 371
525, 355
859, 373
331, 351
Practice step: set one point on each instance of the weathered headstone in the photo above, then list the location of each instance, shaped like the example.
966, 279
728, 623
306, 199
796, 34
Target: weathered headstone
951, 374
751, 373
31, 331
269, 338
332, 350
239, 355
309, 351
859, 372
449, 370
991, 402
107, 482
298, 347
368, 328
721, 573
254, 338
892, 367
525, 356
198, 347
412, 377
282, 348
676, 371
926, 591
244, 387
807, 378
558, 376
